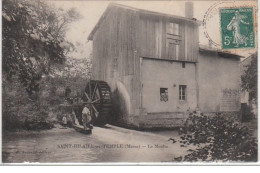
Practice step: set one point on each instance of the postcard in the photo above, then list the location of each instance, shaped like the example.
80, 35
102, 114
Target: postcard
129, 82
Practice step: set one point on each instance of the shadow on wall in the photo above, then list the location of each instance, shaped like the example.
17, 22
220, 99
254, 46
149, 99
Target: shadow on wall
121, 104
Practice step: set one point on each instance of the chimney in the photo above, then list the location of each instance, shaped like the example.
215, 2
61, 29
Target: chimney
189, 10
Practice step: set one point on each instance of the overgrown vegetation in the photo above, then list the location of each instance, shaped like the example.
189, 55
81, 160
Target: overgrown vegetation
217, 139
247, 114
36, 66
33, 39
249, 79
40, 110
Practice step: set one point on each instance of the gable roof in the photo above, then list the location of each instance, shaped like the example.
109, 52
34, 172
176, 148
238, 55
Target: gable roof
141, 11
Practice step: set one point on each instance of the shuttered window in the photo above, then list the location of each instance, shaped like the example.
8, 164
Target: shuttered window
173, 39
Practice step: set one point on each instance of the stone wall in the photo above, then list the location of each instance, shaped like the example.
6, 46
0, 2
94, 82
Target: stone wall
163, 120
171, 120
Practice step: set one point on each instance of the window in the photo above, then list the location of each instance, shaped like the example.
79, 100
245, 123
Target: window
173, 39
182, 92
164, 94
173, 29
183, 64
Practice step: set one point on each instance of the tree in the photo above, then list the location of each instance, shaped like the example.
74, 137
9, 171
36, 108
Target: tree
58, 23
249, 78
33, 39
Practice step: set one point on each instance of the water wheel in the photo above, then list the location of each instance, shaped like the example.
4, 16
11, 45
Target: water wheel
98, 95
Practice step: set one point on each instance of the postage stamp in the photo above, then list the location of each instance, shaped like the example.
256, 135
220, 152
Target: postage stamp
237, 28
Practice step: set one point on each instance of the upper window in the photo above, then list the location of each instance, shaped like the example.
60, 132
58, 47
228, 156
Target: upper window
173, 34
173, 40
173, 29
182, 92
164, 94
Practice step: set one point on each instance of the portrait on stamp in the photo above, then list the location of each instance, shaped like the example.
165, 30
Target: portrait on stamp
237, 28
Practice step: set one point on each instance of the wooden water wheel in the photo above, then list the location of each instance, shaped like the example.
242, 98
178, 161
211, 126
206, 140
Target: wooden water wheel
98, 95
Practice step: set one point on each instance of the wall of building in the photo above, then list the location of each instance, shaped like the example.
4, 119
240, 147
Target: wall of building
114, 45
158, 74
114, 60
219, 83
167, 38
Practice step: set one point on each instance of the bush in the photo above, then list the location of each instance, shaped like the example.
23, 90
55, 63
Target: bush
247, 114
21, 111
217, 139
40, 110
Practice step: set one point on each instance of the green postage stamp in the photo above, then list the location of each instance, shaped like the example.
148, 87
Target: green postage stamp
237, 28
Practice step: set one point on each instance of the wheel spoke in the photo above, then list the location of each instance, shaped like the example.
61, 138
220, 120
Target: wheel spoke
87, 96
95, 101
90, 110
89, 89
96, 112
94, 92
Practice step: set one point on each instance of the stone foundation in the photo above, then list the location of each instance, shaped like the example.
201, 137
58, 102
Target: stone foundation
166, 120
163, 120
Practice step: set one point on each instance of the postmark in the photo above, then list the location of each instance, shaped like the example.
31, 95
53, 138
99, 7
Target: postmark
209, 16
237, 28
216, 33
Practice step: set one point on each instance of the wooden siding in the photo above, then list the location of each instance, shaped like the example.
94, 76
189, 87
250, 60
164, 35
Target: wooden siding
157, 42
124, 36
104, 49
114, 51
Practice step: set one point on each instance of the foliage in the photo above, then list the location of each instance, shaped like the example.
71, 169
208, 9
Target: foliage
21, 112
35, 57
217, 139
249, 78
33, 39
74, 73
72, 68
247, 114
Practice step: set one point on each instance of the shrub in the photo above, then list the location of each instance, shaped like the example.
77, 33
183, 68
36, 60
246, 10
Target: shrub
247, 114
217, 139
21, 111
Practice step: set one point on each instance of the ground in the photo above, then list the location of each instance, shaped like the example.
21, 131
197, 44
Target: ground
108, 144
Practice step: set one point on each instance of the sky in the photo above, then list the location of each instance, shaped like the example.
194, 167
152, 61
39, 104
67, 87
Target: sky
92, 11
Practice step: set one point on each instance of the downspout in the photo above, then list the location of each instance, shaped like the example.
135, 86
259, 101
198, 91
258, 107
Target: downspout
141, 84
197, 83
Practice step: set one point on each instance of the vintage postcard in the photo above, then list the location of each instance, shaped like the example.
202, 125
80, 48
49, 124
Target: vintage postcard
123, 82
